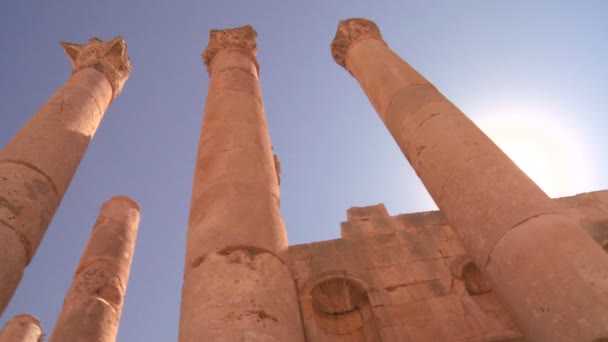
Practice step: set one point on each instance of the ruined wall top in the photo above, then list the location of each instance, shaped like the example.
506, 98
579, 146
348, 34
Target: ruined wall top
240, 38
349, 31
109, 57
363, 213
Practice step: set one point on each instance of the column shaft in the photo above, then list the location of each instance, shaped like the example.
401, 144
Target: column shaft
92, 307
37, 165
236, 283
550, 274
22, 328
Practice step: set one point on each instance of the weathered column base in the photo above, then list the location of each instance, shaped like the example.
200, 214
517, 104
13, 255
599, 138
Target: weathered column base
241, 294
532, 289
22, 328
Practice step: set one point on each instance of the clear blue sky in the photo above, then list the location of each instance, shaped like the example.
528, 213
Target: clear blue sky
544, 61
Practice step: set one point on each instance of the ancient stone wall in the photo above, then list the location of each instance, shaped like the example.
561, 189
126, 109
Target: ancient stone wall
408, 278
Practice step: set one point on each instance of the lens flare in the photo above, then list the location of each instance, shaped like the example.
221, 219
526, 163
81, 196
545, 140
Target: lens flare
547, 150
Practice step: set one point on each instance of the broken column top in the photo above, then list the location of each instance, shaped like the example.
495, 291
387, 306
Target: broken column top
240, 38
350, 31
22, 328
109, 57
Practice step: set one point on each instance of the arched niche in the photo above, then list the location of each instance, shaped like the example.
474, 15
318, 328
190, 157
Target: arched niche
336, 306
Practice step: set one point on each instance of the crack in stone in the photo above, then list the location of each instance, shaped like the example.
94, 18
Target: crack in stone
428, 118
88, 93
250, 251
36, 169
257, 98
511, 228
25, 243
457, 168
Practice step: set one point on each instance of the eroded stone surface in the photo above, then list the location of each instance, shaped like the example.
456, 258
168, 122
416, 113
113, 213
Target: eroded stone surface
93, 304
241, 39
485, 197
38, 164
235, 270
245, 290
349, 31
109, 57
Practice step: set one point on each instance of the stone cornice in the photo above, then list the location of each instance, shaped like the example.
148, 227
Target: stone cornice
109, 57
349, 31
240, 38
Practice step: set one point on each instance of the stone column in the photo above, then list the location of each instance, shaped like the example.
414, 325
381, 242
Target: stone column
37, 165
92, 307
550, 274
237, 285
22, 328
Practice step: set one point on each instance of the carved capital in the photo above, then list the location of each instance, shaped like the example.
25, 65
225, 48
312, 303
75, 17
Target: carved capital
349, 31
109, 57
240, 38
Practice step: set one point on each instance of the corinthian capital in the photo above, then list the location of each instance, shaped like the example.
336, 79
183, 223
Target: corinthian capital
109, 57
240, 38
349, 31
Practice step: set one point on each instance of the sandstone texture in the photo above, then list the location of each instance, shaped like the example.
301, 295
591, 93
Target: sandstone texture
37, 165
92, 307
517, 236
237, 283
409, 278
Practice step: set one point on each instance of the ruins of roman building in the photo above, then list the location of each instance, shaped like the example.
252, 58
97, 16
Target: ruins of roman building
519, 239
409, 277
93, 304
499, 260
37, 165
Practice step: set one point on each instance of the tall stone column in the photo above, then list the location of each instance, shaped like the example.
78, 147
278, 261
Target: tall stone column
92, 307
22, 328
550, 274
237, 285
37, 165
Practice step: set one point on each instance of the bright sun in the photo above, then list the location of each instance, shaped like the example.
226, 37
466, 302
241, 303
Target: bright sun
545, 150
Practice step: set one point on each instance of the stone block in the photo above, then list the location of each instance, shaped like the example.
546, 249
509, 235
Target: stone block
430, 289
382, 257
446, 306
322, 249
352, 229
378, 296
417, 247
299, 252
393, 334
360, 213
423, 330
451, 248
458, 328
386, 223
429, 270
388, 238
300, 270
400, 294
449, 231
422, 219
400, 314
391, 276
346, 246
433, 232
320, 265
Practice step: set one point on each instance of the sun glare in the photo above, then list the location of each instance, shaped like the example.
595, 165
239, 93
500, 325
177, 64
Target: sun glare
543, 148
